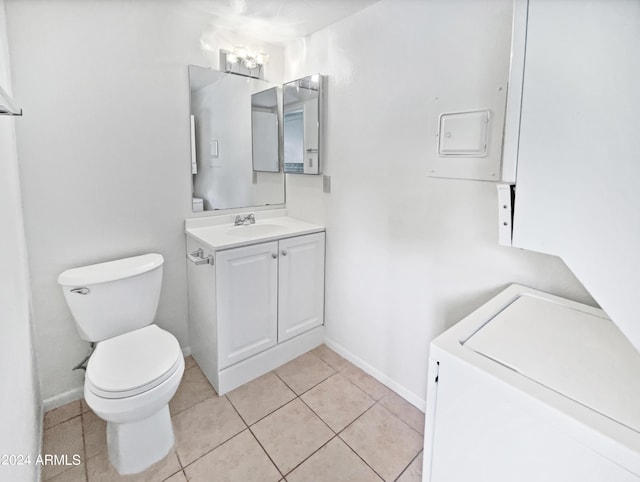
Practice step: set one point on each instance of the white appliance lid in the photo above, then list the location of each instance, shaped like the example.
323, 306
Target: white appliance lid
110, 270
133, 362
577, 354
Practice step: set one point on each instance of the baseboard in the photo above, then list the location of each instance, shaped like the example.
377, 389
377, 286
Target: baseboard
62, 398
409, 396
186, 351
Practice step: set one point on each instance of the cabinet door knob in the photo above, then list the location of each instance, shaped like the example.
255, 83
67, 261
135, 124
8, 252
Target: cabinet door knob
284, 252
274, 255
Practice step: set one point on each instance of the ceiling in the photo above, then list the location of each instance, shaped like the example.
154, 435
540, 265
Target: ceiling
277, 21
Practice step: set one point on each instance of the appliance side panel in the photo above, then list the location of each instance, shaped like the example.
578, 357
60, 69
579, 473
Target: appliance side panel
430, 417
485, 430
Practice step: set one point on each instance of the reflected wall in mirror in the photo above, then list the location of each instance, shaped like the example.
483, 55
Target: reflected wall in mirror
222, 166
264, 131
302, 101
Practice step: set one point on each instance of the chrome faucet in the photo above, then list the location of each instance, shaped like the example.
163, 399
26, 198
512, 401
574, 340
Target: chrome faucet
248, 219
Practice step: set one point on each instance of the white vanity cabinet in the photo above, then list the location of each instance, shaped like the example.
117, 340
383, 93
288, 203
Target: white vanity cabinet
256, 307
300, 285
247, 301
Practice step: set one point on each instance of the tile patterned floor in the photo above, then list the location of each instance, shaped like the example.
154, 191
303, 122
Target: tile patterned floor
317, 418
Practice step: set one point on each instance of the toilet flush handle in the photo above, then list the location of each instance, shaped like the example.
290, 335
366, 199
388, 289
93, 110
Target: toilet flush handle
81, 291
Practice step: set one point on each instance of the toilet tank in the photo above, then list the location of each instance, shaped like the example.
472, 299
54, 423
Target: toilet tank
112, 298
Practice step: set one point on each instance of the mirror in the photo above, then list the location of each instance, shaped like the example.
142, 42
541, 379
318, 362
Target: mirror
221, 135
264, 131
301, 128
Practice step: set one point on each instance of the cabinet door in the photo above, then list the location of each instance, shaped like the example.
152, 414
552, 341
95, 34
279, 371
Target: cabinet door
301, 281
247, 295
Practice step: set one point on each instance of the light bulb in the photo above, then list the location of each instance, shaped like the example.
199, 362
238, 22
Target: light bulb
262, 58
250, 63
240, 51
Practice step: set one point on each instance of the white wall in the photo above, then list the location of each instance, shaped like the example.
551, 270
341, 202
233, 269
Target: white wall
407, 255
104, 150
20, 408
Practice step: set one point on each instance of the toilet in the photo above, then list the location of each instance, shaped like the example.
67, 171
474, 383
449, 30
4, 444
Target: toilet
136, 366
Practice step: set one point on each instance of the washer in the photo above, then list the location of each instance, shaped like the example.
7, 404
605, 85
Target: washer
533, 387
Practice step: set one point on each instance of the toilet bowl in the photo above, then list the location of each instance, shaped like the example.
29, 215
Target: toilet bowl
136, 366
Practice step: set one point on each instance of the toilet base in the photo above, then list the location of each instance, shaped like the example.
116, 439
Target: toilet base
134, 447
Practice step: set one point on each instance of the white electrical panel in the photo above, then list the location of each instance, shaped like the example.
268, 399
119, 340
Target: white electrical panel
466, 144
463, 134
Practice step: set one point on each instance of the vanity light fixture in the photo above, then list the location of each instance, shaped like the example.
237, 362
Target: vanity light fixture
243, 62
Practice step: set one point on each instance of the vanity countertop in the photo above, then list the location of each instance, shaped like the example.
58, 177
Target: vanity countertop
225, 236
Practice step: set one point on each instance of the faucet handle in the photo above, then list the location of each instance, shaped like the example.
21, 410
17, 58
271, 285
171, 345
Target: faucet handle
251, 218
238, 220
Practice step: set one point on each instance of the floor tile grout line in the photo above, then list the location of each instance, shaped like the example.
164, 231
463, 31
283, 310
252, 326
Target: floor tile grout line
184, 467
179, 470
382, 397
356, 452
256, 438
297, 397
399, 418
336, 371
327, 361
265, 451
357, 418
290, 388
360, 456
408, 465
318, 415
335, 434
362, 390
177, 454
84, 445
292, 400
61, 421
352, 448
236, 410
311, 454
246, 427
359, 387
220, 444
310, 388
286, 384
274, 410
173, 414
375, 401
81, 434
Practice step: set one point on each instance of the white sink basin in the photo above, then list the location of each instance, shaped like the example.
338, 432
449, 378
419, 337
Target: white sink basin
222, 234
252, 230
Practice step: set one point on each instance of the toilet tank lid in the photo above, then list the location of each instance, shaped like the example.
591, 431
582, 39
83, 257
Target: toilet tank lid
110, 270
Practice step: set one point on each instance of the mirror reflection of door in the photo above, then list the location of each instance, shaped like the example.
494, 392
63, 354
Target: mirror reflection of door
294, 142
264, 131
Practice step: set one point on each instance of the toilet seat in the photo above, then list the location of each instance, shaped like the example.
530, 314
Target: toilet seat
133, 363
